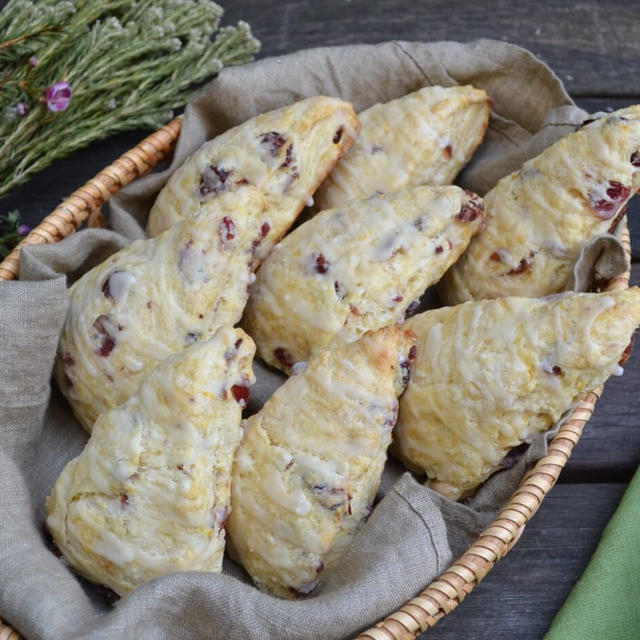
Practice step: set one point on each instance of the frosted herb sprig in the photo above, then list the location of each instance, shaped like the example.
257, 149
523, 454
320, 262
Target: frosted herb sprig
78, 71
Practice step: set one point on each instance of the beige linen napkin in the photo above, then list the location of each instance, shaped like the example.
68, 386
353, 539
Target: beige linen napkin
413, 533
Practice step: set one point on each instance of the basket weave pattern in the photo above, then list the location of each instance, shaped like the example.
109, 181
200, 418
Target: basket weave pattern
445, 593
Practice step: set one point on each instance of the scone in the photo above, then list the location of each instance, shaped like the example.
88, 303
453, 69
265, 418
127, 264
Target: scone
356, 268
425, 137
540, 216
282, 155
491, 374
154, 298
310, 461
149, 495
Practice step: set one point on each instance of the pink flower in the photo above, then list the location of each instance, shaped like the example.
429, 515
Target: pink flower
33, 61
23, 229
58, 96
21, 109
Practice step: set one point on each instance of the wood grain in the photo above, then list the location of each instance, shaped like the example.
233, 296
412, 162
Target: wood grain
520, 596
593, 47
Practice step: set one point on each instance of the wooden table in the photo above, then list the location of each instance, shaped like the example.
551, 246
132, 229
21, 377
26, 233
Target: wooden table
595, 50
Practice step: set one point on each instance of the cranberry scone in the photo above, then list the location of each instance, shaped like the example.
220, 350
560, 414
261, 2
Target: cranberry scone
425, 137
150, 493
539, 217
283, 155
152, 299
491, 374
310, 461
357, 268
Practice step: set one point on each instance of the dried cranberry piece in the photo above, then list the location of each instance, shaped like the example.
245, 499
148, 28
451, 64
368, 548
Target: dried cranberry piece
124, 500
354, 310
470, 209
227, 229
339, 289
242, 182
338, 136
406, 365
241, 394
635, 158
392, 417
264, 229
495, 257
606, 207
397, 298
617, 191
411, 309
67, 359
68, 381
551, 369
320, 567
321, 263
289, 156
523, 265
284, 357
108, 342
447, 152
106, 291
214, 180
274, 141
439, 249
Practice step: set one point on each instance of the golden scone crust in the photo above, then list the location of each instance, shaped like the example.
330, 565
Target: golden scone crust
491, 374
150, 493
154, 298
310, 461
283, 155
540, 216
357, 268
425, 137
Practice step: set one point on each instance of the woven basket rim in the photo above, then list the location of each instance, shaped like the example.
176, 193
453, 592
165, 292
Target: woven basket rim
443, 594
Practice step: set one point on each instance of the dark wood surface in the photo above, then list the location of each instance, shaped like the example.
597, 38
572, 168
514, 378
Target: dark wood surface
595, 49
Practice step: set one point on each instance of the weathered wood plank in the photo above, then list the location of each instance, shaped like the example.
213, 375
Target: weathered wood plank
521, 595
593, 47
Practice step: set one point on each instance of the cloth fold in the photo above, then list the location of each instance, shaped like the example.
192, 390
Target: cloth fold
604, 601
413, 533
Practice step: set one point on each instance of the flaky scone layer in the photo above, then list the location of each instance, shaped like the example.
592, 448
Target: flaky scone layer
356, 268
310, 462
539, 217
491, 374
423, 138
281, 156
151, 299
150, 493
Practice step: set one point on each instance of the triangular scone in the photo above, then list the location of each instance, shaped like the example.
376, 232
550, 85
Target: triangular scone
538, 218
310, 462
425, 137
282, 155
491, 374
357, 268
154, 298
150, 493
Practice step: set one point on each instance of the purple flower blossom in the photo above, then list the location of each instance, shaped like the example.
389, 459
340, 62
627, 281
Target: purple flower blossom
58, 96
23, 229
33, 61
21, 109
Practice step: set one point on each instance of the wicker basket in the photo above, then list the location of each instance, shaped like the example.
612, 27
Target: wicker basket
445, 593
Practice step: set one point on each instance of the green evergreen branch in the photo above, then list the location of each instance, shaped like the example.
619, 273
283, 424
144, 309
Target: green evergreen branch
129, 63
